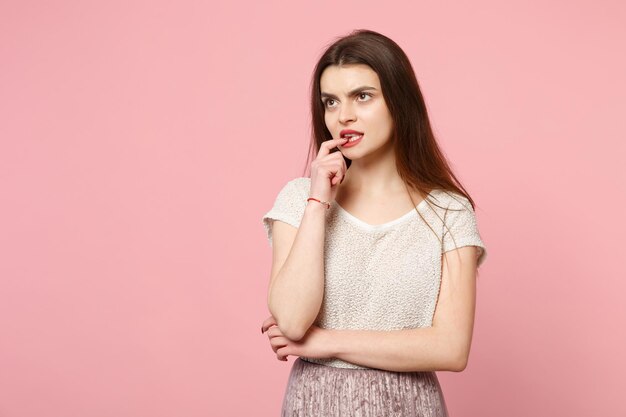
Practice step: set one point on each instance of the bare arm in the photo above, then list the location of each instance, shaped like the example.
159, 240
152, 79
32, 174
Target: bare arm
296, 287
443, 347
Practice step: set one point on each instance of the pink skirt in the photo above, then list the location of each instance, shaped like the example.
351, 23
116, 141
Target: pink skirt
319, 390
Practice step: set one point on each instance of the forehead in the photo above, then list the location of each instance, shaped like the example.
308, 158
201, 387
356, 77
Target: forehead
336, 79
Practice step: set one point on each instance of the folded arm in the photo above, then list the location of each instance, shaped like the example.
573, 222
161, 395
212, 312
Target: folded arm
296, 285
444, 346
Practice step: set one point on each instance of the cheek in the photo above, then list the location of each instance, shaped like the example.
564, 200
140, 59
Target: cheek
385, 120
382, 125
377, 112
327, 119
379, 119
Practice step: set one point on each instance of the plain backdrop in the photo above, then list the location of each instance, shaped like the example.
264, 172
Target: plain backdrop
142, 141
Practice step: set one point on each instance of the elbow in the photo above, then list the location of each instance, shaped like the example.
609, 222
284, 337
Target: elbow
457, 353
458, 365
290, 330
294, 334
458, 362
291, 326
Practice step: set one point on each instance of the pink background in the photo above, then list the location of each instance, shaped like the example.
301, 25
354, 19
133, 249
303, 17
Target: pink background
142, 141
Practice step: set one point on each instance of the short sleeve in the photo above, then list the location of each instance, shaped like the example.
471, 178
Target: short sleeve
461, 229
288, 206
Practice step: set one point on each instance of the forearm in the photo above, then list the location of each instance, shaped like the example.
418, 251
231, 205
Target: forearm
296, 294
419, 349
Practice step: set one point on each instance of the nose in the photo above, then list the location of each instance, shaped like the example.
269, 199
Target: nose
346, 113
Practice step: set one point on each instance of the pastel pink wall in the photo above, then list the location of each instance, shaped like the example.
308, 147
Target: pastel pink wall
141, 142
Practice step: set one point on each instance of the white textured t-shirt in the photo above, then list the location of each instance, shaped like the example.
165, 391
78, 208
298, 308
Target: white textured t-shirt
386, 276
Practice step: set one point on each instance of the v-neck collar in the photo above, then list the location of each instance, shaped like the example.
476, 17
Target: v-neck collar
383, 226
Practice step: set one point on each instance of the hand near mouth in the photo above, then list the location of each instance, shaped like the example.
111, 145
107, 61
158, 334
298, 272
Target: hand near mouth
327, 170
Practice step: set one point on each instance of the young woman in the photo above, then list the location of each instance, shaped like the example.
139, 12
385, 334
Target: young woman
375, 255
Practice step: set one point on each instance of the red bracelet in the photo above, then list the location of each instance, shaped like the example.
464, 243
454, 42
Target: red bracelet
326, 203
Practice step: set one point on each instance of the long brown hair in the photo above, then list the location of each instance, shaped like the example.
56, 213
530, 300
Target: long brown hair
420, 162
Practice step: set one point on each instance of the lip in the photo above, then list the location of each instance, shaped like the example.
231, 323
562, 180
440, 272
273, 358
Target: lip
351, 144
346, 131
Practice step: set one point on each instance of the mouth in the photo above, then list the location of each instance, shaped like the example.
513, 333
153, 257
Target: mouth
351, 135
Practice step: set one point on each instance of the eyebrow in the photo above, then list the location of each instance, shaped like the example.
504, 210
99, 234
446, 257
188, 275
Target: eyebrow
350, 93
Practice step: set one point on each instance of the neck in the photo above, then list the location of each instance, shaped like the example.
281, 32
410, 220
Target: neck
374, 175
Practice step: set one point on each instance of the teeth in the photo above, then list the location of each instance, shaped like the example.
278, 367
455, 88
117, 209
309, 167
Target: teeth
352, 136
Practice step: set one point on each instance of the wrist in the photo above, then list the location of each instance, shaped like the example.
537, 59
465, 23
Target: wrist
324, 203
331, 343
313, 205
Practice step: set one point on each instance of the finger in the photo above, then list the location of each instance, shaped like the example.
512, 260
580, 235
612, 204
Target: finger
273, 332
279, 341
332, 163
335, 158
282, 354
327, 145
270, 321
339, 174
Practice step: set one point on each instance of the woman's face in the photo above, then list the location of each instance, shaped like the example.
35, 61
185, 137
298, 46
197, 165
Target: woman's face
353, 100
